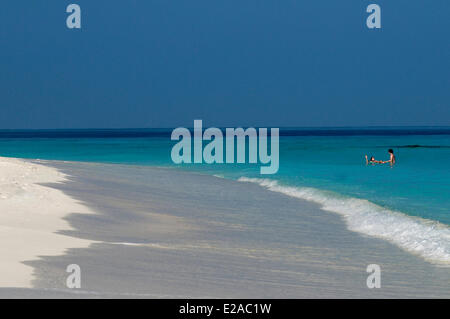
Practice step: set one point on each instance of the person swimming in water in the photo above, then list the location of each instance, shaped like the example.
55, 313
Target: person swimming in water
372, 160
391, 157
391, 160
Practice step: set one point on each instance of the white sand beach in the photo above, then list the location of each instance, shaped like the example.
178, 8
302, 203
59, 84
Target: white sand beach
31, 214
161, 232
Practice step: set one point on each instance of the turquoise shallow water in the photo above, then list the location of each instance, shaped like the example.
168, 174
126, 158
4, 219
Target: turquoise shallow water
418, 185
406, 204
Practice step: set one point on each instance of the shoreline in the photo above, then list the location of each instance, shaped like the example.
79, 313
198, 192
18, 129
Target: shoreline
31, 217
428, 239
173, 233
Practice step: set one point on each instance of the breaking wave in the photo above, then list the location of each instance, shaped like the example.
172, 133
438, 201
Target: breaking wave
426, 238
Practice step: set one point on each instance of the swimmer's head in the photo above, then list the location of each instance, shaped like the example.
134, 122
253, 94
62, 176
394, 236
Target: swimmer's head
391, 151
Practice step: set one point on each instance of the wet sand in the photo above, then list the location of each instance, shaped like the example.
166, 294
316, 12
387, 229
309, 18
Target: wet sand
169, 233
30, 216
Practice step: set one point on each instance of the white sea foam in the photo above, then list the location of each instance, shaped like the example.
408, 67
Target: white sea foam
426, 238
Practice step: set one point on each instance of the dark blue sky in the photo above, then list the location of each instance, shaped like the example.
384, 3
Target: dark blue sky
160, 63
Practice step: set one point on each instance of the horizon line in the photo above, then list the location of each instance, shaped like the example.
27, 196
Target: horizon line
221, 127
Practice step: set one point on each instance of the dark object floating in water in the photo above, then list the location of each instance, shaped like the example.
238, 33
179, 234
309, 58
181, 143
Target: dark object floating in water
421, 146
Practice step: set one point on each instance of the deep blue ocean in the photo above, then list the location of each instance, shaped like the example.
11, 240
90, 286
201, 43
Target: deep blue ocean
323, 165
